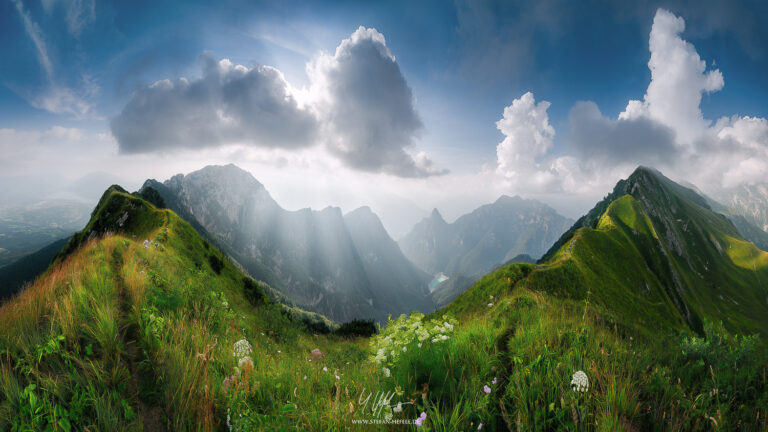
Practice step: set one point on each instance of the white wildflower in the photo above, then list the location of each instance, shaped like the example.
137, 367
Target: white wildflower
245, 363
242, 348
444, 337
387, 372
580, 382
398, 408
490, 305
325, 369
405, 349
448, 326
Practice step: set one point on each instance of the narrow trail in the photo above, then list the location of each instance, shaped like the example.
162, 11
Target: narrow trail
150, 417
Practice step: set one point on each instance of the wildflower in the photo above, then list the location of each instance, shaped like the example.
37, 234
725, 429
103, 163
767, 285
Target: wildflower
317, 354
325, 369
387, 372
487, 389
494, 381
490, 305
434, 340
419, 345
279, 352
398, 408
245, 364
242, 348
421, 419
405, 349
480, 426
448, 326
444, 337
225, 304
305, 377
580, 382
337, 377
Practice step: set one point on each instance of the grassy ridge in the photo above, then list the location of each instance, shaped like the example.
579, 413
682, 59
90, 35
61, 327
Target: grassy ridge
167, 334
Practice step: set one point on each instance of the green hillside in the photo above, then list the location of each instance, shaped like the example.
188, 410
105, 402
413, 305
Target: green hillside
141, 327
660, 257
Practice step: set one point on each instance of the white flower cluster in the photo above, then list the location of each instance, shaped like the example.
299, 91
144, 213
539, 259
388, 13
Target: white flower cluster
245, 363
408, 332
580, 382
242, 348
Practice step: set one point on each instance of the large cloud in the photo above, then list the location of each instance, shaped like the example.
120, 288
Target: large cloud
228, 104
666, 129
366, 107
678, 79
522, 157
359, 107
597, 138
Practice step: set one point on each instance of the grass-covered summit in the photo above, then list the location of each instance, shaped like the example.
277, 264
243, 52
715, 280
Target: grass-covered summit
656, 255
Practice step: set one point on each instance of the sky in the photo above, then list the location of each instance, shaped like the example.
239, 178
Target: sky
402, 106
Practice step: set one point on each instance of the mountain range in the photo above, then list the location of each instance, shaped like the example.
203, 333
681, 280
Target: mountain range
751, 202
345, 267
511, 229
142, 323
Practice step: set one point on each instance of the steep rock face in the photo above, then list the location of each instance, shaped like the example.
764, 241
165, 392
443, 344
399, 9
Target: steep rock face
480, 241
427, 244
310, 256
393, 278
751, 202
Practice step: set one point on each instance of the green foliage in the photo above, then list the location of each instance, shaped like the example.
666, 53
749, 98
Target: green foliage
358, 327
152, 196
216, 263
253, 291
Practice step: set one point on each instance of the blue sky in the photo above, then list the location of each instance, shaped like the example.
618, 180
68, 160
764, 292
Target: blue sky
77, 66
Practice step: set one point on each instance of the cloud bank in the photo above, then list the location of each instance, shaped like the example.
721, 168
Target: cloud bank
358, 106
666, 129
228, 104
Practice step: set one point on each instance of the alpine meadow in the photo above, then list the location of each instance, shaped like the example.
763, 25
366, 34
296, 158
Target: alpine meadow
334, 216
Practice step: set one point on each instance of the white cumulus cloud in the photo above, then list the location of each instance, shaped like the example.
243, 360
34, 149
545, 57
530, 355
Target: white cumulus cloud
679, 77
366, 108
666, 130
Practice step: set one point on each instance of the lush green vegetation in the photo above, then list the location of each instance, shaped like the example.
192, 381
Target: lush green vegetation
135, 329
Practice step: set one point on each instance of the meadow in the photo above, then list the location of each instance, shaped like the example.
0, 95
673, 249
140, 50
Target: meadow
153, 328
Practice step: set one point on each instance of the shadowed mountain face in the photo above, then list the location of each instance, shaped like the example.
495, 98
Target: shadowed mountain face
480, 241
313, 257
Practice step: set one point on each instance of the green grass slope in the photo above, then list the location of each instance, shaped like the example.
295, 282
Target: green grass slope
135, 328
120, 334
658, 257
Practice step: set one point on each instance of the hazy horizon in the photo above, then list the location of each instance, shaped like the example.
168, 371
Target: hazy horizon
345, 106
